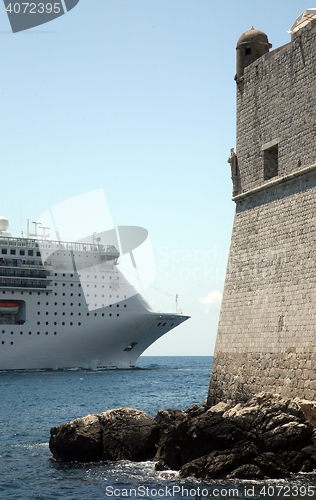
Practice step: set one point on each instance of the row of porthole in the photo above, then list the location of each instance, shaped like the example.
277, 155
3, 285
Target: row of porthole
30, 333
79, 313
22, 293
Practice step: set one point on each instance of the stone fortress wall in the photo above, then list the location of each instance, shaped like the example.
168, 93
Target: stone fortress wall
266, 336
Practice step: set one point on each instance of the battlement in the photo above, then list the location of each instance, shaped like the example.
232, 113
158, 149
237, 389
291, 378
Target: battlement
276, 112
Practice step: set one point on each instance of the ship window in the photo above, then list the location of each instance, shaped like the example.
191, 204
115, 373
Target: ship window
55, 323
11, 343
117, 314
38, 322
38, 333
30, 333
30, 253
21, 333
22, 252
4, 251
125, 305
110, 314
2, 342
159, 324
55, 333
12, 251
46, 333
79, 324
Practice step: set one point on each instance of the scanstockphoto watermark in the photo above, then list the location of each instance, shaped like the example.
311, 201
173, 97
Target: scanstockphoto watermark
26, 15
265, 490
175, 491
192, 264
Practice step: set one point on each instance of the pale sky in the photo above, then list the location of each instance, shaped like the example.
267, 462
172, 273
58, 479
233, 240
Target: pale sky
136, 97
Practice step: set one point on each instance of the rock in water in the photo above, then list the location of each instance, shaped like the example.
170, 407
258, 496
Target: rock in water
122, 433
266, 437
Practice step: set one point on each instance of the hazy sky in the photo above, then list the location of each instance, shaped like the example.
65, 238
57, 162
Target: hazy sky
136, 97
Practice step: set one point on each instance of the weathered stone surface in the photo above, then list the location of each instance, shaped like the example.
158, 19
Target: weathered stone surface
127, 434
77, 440
267, 437
122, 433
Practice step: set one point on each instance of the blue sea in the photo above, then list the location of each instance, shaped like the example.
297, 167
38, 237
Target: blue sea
33, 402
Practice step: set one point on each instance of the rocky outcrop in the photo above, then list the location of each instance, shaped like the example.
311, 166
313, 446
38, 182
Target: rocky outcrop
267, 437
118, 434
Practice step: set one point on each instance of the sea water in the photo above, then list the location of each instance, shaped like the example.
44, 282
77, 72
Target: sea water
33, 402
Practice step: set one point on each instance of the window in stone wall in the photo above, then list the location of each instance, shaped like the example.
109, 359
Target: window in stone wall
270, 162
248, 51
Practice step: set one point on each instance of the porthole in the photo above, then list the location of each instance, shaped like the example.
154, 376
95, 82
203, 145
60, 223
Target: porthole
12, 333
117, 314
102, 314
30, 333
95, 314
2, 342
38, 322
21, 333
79, 314
38, 333
38, 312
38, 303
88, 314
63, 323
55, 323
125, 305
71, 323
47, 323
117, 305
46, 333
64, 284
3, 331
47, 313
110, 314
55, 333
79, 323
11, 343
64, 313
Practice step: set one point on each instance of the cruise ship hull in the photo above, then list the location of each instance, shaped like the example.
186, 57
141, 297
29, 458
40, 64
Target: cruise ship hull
71, 307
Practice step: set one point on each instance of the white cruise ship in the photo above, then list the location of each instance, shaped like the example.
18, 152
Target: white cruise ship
67, 305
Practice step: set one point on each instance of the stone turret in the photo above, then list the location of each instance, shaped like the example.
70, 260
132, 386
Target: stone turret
250, 46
